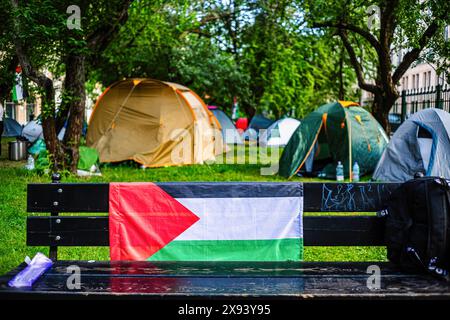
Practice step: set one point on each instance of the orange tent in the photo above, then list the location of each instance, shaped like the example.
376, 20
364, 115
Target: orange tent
154, 123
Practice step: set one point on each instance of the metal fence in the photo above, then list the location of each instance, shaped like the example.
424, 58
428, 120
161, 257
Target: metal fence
415, 100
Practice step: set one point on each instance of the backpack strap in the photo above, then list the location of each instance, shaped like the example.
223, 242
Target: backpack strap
438, 227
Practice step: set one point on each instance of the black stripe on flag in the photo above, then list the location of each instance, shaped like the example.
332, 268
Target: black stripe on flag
232, 189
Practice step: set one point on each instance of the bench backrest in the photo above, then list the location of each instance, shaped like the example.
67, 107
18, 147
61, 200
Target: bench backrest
92, 230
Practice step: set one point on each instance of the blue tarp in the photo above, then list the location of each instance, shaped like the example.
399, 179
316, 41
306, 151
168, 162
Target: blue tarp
11, 128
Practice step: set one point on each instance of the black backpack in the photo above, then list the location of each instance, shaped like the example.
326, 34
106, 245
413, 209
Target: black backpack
418, 226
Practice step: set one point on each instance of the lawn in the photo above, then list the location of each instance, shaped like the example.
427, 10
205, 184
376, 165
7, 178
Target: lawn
14, 179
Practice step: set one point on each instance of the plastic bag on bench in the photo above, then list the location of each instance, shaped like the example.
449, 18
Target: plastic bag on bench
36, 267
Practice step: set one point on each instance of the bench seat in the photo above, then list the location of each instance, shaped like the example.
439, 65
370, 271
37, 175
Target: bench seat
219, 280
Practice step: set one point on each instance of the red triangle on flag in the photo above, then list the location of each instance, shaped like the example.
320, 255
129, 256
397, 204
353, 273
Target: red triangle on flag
143, 219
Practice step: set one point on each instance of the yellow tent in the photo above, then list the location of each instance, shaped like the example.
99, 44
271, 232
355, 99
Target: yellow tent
154, 123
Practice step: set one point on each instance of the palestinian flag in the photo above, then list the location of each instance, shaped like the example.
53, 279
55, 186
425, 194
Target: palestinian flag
206, 221
17, 93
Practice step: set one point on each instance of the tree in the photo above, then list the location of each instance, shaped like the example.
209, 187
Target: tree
43, 40
171, 41
8, 60
416, 26
253, 50
292, 67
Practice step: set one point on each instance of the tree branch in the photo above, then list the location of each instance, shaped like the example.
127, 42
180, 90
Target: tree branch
387, 24
388, 15
350, 27
412, 55
102, 36
356, 65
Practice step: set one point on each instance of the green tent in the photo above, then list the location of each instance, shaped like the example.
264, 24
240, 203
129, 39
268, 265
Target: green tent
333, 126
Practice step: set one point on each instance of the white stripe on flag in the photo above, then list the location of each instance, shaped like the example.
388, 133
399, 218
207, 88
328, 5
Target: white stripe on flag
244, 218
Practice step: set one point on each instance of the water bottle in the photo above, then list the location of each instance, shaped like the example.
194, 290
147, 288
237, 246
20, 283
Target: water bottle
340, 172
30, 162
355, 172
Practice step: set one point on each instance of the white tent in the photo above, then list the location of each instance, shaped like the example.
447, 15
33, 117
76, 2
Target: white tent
279, 133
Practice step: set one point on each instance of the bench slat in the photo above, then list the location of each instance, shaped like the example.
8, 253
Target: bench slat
94, 231
141, 269
227, 279
318, 197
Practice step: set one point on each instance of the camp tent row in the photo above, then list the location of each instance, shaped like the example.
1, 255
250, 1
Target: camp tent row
32, 131
137, 119
147, 121
342, 131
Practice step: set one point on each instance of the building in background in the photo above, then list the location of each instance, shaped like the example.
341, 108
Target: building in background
21, 111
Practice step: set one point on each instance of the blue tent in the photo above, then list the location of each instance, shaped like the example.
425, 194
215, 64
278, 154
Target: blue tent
11, 128
260, 122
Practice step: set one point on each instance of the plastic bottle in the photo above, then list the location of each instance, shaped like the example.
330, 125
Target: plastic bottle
340, 172
355, 172
30, 162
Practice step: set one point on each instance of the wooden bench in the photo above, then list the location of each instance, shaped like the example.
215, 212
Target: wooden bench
217, 279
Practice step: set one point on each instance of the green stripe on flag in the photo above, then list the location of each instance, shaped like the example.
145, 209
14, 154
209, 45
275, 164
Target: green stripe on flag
231, 250
14, 94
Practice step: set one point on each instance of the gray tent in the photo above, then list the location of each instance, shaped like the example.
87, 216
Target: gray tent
33, 131
229, 131
420, 144
11, 128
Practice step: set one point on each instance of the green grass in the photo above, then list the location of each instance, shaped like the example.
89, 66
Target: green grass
14, 179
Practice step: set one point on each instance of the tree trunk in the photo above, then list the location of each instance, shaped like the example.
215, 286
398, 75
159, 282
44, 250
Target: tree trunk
341, 77
382, 104
53, 145
248, 110
75, 88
